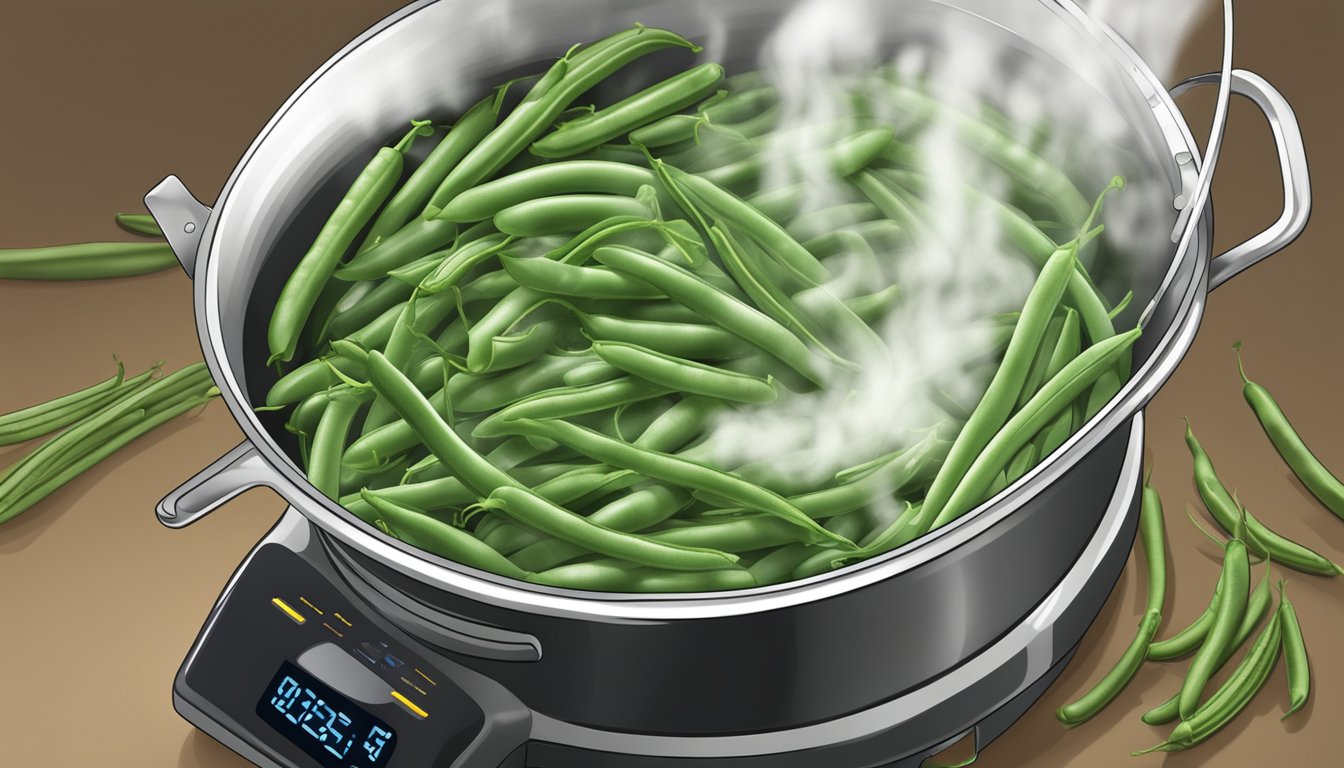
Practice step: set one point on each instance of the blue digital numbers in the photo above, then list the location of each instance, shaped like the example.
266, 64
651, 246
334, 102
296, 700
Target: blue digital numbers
323, 723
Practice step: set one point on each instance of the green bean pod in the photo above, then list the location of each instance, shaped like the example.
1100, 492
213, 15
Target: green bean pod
532, 510
402, 247
1294, 452
324, 457
45, 418
1189, 638
678, 425
1226, 620
677, 471
365, 195
453, 269
1262, 540
571, 76
678, 374
716, 306
566, 403
560, 279
563, 214
685, 340
439, 538
630, 513
1232, 697
85, 261
657, 101
1294, 657
563, 178
410, 200
139, 224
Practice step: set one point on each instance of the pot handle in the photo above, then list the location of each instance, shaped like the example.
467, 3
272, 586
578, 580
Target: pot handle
238, 470
1292, 162
181, 217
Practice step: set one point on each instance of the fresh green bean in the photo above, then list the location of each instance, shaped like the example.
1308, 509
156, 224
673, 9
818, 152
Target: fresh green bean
45, 418
563, 178
816, 223
715, 306
1234, 694
439, 538
402, 247
532, 510
677, 471
85, 261
411, 199
139, 224
687, 340
1294, 452
1262, 541
310, 378
1188, 639
630, 513
1256, 607
569, 78
368, 192
324, 457
560, 279
678, 425
657, 101
1226, 620
1294, 656
565, 403
563, 214
455, 267
679, 374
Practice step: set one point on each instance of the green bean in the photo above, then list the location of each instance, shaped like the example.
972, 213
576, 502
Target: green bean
1226, 620
324, 458
455, 267
563, 178
1036, 374
411, 199
677, 471
608, 576
566, 213
657, 101
139, 224
996, 405
317, 266
1188, 639
310, 378
1067, 347
1262, 540
45, 418
571, 487
733, 211
687, 340
715, 306
1256, 607
630, 513
496, 323
745, 535
569, 78
779, 205
477, 474
824, 220
347, 319
670, 131
678, 425
436, 537
679, 374
1234, 694
478, 393
740, 107
85, 261
532, 510
560, 279
1314, 475
128, 425
447, 493
1020, 163
875, 306
1294, 657
399, 249
595, 372
568, 402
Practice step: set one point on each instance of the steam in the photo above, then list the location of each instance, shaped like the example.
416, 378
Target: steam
1154, 28
956, 272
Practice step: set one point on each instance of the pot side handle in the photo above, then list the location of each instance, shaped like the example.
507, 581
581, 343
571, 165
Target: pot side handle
1292, 163
181, 217
238, 470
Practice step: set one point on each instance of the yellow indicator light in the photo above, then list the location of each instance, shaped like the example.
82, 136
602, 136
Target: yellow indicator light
316, 610
290, 612
344, 620
407, 703
427, 678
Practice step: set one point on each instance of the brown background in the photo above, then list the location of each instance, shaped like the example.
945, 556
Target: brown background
98, 603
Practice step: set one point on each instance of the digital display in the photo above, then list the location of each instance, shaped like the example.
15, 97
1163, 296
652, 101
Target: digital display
324, 723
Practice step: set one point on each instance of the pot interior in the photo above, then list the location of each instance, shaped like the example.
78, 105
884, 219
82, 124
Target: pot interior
435, 59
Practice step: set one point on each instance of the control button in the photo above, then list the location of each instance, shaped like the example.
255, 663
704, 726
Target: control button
316, 610
409, 705
392, 662
427, 678
369, 652
337, 668
343, 620
297, 617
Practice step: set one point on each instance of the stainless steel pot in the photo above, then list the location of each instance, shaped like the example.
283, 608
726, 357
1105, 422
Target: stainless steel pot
688, 674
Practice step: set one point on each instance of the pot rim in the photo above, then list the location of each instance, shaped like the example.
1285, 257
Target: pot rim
350, 531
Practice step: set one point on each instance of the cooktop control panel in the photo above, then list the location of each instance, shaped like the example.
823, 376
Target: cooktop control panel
291, 666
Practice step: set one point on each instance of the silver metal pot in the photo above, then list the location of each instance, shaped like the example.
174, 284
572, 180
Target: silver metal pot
927, 640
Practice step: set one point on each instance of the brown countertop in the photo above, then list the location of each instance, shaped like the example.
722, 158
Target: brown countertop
99, 603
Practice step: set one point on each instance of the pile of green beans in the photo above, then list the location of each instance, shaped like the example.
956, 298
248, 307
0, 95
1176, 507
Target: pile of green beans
90, 425
515, 359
